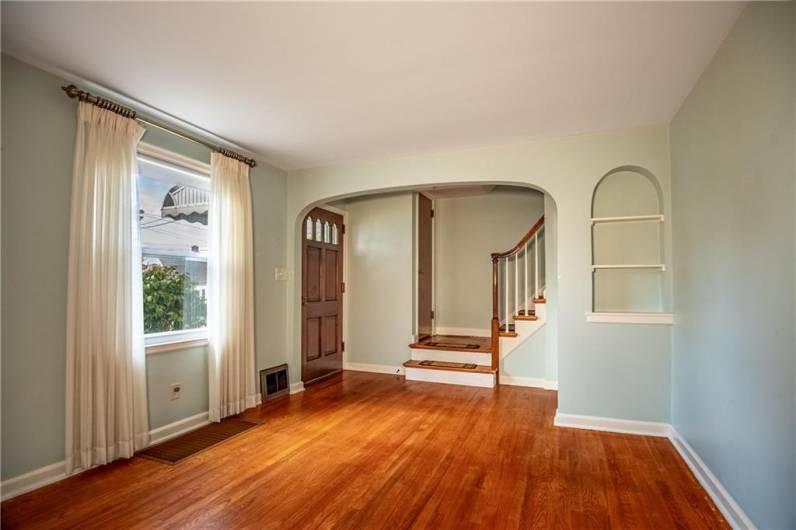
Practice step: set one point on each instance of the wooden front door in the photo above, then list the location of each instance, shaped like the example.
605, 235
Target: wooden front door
321, 295
425, 324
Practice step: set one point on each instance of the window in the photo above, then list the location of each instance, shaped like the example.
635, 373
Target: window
173, 205
309, 228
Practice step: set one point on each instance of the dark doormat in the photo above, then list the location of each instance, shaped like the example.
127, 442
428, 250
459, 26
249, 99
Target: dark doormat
177, 449
462, 345
444, 364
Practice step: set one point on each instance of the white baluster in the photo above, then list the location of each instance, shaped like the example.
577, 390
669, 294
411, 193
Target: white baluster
536, 265
525, 281
516, 284
506, 291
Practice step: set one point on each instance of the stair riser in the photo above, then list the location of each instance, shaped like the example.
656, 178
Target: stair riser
419, 354
449, 377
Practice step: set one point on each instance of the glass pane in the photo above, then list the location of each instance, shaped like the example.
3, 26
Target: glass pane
173, 209
318, 230
327, 238
309, 228
334, 234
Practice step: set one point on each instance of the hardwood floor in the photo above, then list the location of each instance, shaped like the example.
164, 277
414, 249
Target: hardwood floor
373, 451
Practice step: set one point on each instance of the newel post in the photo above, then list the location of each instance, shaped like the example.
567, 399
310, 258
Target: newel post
495, 317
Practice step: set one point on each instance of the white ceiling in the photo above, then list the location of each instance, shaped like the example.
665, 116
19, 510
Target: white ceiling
311, 84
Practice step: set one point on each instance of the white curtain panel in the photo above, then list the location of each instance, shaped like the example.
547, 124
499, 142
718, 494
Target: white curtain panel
106, 409
230, 290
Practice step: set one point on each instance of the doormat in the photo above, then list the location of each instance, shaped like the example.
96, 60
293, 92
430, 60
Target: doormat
177, 449
443, 364
459, 345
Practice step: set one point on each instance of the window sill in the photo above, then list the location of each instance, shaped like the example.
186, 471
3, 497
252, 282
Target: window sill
175, 340
630, 318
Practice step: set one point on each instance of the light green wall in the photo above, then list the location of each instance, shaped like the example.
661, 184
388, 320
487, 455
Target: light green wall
38, 127
732, 149
467, 231
612, 370
379, 235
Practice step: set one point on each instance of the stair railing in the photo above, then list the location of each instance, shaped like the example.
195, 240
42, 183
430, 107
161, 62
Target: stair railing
518, 278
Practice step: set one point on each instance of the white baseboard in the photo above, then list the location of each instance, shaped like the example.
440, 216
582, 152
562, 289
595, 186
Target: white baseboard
295, 388
466, 332
598, 423
533, 382
729, 508
172, 430
724, 501
54, 472
32, 480
375, 368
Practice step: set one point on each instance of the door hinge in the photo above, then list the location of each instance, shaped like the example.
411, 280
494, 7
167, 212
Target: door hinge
342, 287
432, 213
342, 346
432, 314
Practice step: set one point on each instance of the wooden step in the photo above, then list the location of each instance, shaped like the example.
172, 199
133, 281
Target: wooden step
446, 366
451, 374
522, 316
511, 332
539, 301
455, 343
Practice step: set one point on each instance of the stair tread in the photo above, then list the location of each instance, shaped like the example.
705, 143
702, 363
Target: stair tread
479, 368
526, 317
455, 343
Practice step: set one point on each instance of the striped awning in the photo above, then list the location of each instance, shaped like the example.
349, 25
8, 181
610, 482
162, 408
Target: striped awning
184, 203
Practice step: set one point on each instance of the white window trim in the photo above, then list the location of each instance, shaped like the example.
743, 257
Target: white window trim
150, 151
186, 338
631, 318
175, 340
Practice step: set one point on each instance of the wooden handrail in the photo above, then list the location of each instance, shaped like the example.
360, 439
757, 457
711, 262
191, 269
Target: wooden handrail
535, 228
496, 257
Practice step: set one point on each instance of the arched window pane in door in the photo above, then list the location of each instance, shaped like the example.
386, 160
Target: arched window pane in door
318, 230
334, 234
309, 228
327, 237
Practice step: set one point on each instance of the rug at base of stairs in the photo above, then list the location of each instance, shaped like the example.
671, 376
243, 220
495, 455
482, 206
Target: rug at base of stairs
177, 449
445, 364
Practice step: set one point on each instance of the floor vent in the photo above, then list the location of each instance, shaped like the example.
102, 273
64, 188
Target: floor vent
274, 382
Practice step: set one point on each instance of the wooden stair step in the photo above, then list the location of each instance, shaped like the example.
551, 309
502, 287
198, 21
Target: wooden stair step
539, 301
455, 343
526, 317
451, 367
511, 332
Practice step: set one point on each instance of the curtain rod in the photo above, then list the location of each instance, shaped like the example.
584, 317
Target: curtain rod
75, 93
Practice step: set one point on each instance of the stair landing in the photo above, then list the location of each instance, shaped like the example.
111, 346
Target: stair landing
455, 343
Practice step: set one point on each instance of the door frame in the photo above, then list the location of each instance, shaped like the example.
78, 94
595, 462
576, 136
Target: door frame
416, 265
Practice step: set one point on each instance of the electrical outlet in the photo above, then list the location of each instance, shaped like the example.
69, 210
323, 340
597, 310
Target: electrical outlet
176, 391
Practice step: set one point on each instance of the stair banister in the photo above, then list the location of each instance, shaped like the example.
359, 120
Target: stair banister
532, 237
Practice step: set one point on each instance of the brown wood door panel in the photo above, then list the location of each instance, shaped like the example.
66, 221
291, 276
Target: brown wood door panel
322, 296
425, 324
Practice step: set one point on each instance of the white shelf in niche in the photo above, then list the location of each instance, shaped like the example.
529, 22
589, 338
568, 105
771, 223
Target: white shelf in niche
656, 266
630, 318
628, 218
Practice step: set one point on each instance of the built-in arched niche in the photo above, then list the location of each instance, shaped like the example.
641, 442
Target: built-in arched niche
627, 243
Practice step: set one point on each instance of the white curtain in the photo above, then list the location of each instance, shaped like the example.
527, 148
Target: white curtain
106, 414
230, 289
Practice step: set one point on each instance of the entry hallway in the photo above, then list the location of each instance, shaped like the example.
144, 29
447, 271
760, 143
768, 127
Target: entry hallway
374, 451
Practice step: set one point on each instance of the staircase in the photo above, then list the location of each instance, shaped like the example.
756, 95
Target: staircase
518, 311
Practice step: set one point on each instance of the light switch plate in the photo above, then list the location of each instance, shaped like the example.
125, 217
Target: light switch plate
281, 274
